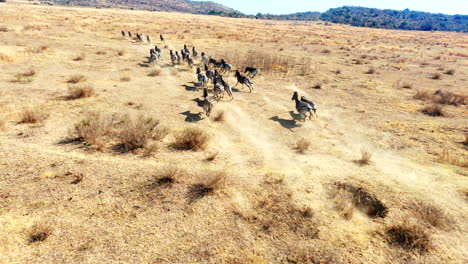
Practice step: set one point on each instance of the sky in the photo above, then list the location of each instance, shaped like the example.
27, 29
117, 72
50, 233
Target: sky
291, 6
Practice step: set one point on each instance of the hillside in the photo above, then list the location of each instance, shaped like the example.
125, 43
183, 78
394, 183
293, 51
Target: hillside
186, 6
107, 158
393, 19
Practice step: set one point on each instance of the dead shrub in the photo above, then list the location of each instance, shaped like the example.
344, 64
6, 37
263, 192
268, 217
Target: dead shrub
449, 98
77, 78
154, 73
450, 72
25, 77
211, 183
168, 176
80, 57
453, 158
302, 145
365, 158
191, 139
317, 86
360, 198
220, 117
326, 51
125, 79
101, 52
371, 71
436, 76
135, 133
343, 200
433, 110
4, 29
150, 149
77, 178
432, 215
121, 52
212, 156
33, 115
423, 95
6, 58
39, 233
409, 237
93, 129
80, 91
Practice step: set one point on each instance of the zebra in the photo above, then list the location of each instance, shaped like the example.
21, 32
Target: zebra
202, 79
173, 57
204, 59
302, 107
226, 86
218, 91
148, 38
140, 37
207, 103
153, 58
189, 61
177, 57
243, 80
162, 39
123, 33
215, 63
187, 51
312, 105
194, 53
251, 71
209, 73
226, 67
130, 34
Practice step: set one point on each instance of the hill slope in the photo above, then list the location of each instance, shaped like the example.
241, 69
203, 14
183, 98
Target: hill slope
186, 6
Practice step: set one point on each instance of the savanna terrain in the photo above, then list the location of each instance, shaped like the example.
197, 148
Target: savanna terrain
105, 158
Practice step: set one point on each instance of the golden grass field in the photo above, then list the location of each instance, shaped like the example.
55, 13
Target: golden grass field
373, 180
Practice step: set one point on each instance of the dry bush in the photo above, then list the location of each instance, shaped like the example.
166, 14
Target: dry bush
409, 237
77, 178
121, 52
135, 133
80, 57
150, 149
39, 233
450, 72
210, 183
6, 58
343, 200
449, 98
423, 95
361, 198
101, 52
80, 91
326, 51
3, 29
436, 76
212, 156
371, 71
365, 157
93, 129
220, 116
154, 73
302, 145
35, 27
433, 110
432, 215
453, 158
168, 176
77, 78
405, 85
191, 139
317, 86
38, 49
32, 115
25, 77
125, 79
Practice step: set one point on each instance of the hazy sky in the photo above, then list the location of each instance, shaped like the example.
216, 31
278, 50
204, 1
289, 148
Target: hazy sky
292, 6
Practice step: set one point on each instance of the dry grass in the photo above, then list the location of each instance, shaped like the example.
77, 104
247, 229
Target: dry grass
2, 123
365, 158
6, 58
25, 77
125, 79
433, 110
35, 27
168, 176
423, 95
77, 78
450, 72
4, 29
121, 52
80, 57
101, 52
347, 197
436, 76
93, 129
136, 133
33, 115
302, 145
453, 158
80, 91
210, 183
432, 215
409, 237
371, 71
191, 139
39, 233
212, 156
155, 73
37, 50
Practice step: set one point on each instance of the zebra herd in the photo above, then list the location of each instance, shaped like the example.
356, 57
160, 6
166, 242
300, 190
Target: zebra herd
213, 71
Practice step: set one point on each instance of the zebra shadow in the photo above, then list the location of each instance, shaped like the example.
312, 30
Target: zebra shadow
199, 102
190, 88
286, 123
144, 64
192, 117
295, 116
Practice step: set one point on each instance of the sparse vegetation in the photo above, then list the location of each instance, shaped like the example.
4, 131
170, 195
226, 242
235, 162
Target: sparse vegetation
371, 71
93, 129
77, 78
360, 198
450, 72
365, 157
135, 133
433, 110
25, 77
409, 237
3, 29
191, 139
212, 156
168, 176
436, 76
210, 183
39, 233
121, 52
80, 57
32, 115
125, 79
154, 73
302, 145
80, 91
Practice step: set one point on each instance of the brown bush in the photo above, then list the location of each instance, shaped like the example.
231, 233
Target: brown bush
168, 176
39, 233
93, 129
32, 115
371, 71
436, 76
449, 98
212, 156
101, 52
360, 198
409, 237
432, 215
121, 52
80, 57
210, 183
302, 145
220, 117
450, 72
3, 29
423, 95
25, 77
77, 78
433, 110
81, 91
326, 51
191, 139
125, 79
365, 157
154, 73
135, 133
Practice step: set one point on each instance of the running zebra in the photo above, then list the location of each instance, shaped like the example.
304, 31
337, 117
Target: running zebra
251, 71
202, 79
207, 103
243, 80
302, 107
